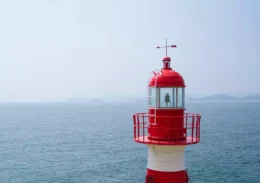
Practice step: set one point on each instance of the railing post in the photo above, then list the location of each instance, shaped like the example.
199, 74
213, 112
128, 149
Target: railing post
192, 128
186, 123
134, 126
143, 128
138, 126
197, 125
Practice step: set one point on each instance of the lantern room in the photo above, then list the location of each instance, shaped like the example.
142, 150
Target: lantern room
166, 97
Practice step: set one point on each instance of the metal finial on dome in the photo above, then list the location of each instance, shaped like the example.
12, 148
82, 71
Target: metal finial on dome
166, 60
167, 46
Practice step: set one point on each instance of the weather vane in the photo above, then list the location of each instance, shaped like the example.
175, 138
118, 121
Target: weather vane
167, 46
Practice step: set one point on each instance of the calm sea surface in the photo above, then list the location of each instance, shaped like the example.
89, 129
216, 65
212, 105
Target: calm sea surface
93, 143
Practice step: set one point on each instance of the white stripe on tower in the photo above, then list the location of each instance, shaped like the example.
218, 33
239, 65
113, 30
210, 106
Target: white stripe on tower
166, 158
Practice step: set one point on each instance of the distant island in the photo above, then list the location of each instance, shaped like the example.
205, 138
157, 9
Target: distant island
226, 98
83, 100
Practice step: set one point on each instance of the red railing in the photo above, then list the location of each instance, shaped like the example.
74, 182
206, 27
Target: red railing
151, 129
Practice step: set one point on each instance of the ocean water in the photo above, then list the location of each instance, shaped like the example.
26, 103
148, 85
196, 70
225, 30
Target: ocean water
83, 143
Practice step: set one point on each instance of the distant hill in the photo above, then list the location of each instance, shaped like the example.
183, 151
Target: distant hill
216, 97
83, 100
188, 97
251, 97
226, 97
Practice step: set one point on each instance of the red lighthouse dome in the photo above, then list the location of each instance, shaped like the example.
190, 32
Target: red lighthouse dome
166, 77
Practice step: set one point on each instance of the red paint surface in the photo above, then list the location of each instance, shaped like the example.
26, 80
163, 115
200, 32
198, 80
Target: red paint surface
169, 124
167, 78
166, 59
166, 177
167, 65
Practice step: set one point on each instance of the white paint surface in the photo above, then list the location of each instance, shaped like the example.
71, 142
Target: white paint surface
166, 158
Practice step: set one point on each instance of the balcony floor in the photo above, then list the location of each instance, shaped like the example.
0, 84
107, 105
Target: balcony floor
187, 141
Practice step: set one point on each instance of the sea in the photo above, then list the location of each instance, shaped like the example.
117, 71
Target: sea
93, 143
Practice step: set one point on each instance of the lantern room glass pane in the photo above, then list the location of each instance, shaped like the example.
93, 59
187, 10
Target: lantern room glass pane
174, 98
183, 97
166, 97
179, 98
152, 97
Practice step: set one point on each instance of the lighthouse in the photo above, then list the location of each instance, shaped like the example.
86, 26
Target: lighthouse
166, 128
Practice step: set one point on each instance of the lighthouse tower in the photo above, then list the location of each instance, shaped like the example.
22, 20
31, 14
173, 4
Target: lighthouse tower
166, 128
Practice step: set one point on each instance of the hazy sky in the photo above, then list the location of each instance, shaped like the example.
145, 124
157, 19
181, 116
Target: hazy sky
55, 49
